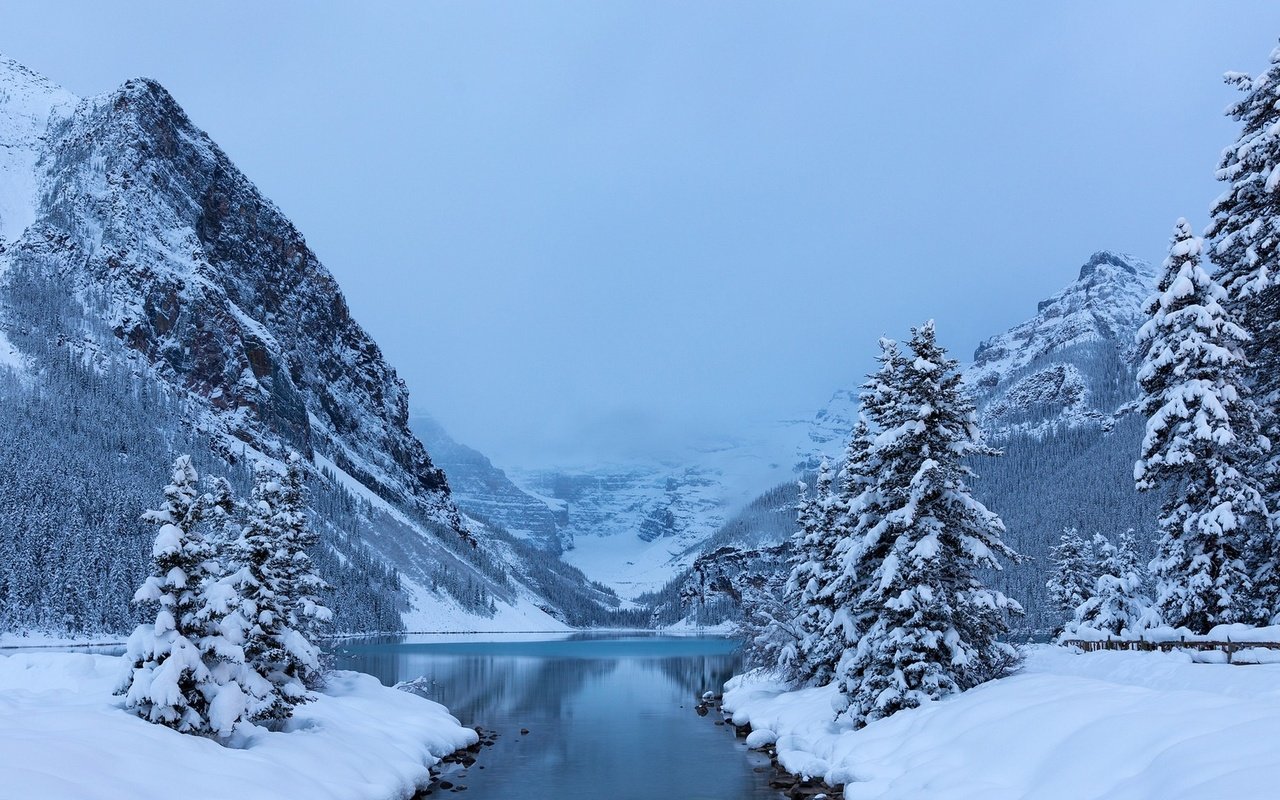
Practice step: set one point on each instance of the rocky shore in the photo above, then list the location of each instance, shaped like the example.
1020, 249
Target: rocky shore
449, 774
794, 787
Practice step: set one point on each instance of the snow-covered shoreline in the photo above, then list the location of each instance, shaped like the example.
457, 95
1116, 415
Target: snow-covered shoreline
1108, 724
64, 735
39, 640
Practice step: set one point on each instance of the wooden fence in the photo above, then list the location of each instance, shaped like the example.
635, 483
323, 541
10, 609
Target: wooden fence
1228, 647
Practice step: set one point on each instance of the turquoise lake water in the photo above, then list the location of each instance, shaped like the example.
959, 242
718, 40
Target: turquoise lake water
609, 716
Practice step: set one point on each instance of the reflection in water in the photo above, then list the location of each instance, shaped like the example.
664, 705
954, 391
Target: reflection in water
604, 713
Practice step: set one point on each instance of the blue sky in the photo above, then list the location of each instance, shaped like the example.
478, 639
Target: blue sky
590, 230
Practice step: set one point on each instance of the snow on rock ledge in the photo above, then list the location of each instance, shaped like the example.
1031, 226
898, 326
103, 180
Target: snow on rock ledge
1103, 725
63, 735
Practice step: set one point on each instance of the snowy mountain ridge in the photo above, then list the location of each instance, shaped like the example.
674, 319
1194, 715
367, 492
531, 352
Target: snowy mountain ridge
1057, 393
630, 525
1070, 364
31, 104
1073, 362
131, 242
634, 526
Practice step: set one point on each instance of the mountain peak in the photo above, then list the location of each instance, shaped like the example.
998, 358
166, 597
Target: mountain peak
1121, 261
1061, 364
18, 78
29, 102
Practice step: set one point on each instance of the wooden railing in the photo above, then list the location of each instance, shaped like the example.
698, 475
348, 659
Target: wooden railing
1228, 647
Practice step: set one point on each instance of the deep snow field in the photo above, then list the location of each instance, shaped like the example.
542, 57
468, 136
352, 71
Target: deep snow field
1072, 726
64, 735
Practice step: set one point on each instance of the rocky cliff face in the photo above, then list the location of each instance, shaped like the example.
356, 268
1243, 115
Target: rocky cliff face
154, 251
484, 491
1073, 362
217, 290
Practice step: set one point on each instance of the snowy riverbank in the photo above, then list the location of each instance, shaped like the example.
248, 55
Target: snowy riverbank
63, 735
1102, 725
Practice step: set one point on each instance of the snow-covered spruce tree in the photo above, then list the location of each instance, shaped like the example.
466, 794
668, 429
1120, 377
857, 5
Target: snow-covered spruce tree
1245, 231
242, 693
865, 537
811, 573
265, 555
855, 498
1202, 447
1117, 604
302, 585
932, 627
1075, 570
275, 585
773, 638
169, 683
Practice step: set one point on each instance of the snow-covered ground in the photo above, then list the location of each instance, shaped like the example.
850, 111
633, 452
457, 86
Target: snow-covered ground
64, 735
1070, 726
627, 563
432, 613
25, 639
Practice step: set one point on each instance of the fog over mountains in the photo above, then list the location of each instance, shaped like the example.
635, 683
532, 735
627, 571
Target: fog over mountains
154, 302
1055, 392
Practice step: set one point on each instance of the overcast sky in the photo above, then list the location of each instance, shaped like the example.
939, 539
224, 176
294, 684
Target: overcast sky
587, 229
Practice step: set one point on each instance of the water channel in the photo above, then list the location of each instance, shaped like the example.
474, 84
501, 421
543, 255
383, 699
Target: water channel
608, 716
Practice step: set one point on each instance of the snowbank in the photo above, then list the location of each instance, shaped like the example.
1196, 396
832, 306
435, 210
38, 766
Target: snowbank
63, 735
25, 639
1221, 633
1103, 725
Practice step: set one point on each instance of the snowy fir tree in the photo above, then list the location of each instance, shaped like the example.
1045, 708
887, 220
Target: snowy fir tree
1245, 231
1117, 604
842, 586
864, 541
168, 679
269, 578
301, 584
932, 627
817, 533
1075, 570
1245, 228
188, 667
1202, 448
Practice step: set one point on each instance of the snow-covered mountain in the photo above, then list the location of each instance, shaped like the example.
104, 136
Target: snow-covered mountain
484, 491
1070, 364
631, 526
1073, 362
1056, 393
627, 525
135, 256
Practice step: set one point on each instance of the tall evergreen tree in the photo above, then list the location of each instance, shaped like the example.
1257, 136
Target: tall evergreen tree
169, 683
1202, 447
932, 626
866, 537
1245, 231
301, 584
263, 557
1075, 570
810, 576
1245, 228
277, 590
844, 586
771, 633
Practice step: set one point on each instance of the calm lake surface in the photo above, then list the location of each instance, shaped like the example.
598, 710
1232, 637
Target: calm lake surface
609, 716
